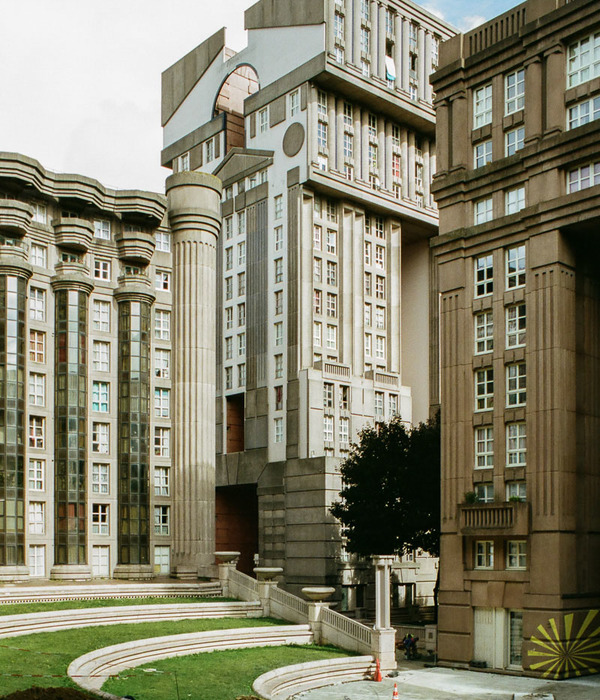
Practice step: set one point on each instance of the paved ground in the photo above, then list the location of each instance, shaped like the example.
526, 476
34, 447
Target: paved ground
415, 682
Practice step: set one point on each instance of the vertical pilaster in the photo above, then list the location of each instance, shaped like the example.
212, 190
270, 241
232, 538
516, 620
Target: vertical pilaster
421, 63
194, 216
405, 53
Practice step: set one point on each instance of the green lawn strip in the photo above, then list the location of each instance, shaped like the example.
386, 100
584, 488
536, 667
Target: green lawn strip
222, 675
19, 608
50, 653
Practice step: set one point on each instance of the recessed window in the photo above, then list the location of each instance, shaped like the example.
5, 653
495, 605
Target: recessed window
278, 366
162, 363
515, 267
161, 481
37, 346
368, 344
328, 428
100, 478
162, 280
583, 60
484, 275
331, 343
162, 325
37, 389
485, 493
484, 554
317, 333
278, 303
101, 315
516, 444
278, 238
514, 200
484, 332
331, 241
38, 255
161, 520
37, 304
100, 438
482, 106
344, 430
278, 332
379, 403
278, 430
100, 519
37, 432
162, 402
516, 385
39, 213
583, 177
294, 103
36, 474
484, 389
514, 91
483, 211
482, 153
278, 206
241, 314
379, 317
162, 441
484, 448
583, 112
365, 40
516, 554
102, 269
516, 324
100, 396
102, 229
36, 518
331, 305
514, 140
163, 241
263, 120
516, 490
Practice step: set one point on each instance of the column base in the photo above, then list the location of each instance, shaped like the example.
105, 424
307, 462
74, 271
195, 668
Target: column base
71, 572
14, 574
184, 573
383, 644
134, 572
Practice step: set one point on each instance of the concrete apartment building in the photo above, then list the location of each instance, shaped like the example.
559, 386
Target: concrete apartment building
89, 392
518, 134
322, 131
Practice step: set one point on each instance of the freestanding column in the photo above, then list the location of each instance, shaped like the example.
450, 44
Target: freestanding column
194, 215
384, 635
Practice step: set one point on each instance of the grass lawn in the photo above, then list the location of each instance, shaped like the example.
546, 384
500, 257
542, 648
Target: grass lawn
219, 675
49, 653
20, 608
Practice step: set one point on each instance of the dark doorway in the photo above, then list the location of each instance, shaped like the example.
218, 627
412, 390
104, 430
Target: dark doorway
237, 523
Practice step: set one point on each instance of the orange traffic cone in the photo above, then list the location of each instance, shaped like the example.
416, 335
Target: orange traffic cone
395, 696
377, 674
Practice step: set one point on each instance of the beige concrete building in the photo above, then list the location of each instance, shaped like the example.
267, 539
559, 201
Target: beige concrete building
322, 131
87, 390
517, 186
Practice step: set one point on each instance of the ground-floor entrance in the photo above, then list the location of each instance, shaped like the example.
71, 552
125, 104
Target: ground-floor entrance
236, 511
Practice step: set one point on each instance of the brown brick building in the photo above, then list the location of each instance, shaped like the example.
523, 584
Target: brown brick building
518, 189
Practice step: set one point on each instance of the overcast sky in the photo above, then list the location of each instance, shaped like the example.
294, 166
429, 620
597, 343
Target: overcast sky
80, 79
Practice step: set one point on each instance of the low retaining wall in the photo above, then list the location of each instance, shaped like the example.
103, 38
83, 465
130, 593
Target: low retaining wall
91, 670
55, 620
283, 682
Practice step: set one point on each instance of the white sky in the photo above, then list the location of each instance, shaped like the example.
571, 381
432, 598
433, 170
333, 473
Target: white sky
80, 79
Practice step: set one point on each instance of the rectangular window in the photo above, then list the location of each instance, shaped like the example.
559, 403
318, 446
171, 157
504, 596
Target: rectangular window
331, 241
516, 554
484, 389
37, 432
278, 270
514, 140
331, 273
36, 518
162, 398
514, 91
294, 103
162, 362
583, 60
483, 211
516, 385
263, 120
516, 324
368, 314
161, 520
484, 448
317, 237
380, 257
365, 68
317, 301
379, 347
278, 366
484, 554
484, 493
516, 490
583, 112
162, 325
344, 397
331, 337
241, 344
228, 258
348, 146
317, 270
379, 287
162, 280
100, 438
102, 230
328, 428
368, 344
515, 267
162, 442
278, 303
101, 269
101, 315
279, 238
228, 348
36, 474
322, 137
99, 519
37, 304
163, 241
241, 284
241, 223
393, 405
228, 377
38, 255
484, 332
100, 480
365, 40
241, 253
100, 396
322, 103
368, 283
379, 404
37, 389
161, 481
338, 26
364, 10
331, 305
583, 177
278, 429
241, 314
278, 328
37, 346
100, 356
484, 276
328, 394
344, 426
317, 333
516, 444
278, 206
482, 106
482, 153
373, 156
514, 200
379, 317
39, 213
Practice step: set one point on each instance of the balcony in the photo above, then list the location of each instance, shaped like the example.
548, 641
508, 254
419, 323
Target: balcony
15, 217
510, 518
135, 246
73, 233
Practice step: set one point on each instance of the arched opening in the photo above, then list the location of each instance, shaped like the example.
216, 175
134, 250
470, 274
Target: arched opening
239, 85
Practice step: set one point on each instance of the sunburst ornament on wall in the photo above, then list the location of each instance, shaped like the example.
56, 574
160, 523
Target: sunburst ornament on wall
578, 653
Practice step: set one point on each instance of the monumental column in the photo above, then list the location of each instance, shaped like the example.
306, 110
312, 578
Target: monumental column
194, 201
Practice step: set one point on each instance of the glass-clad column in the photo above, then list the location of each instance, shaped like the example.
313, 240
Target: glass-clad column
13, 292
70, 427
134, 432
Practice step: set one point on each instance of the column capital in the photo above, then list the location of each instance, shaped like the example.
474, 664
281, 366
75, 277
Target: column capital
72, 276
194, 202
134, 288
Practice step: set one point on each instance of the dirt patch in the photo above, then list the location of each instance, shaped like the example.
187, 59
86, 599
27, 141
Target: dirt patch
36, 693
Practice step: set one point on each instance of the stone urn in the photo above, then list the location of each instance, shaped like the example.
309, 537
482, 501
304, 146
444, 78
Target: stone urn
267, 573
318, 593
226, 557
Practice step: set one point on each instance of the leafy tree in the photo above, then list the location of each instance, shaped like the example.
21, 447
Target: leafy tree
391, 490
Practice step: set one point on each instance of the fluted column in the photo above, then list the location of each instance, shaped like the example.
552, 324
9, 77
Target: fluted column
194, 216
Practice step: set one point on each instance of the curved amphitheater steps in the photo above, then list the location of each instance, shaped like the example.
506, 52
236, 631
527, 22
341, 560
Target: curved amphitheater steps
56, 620
91, 670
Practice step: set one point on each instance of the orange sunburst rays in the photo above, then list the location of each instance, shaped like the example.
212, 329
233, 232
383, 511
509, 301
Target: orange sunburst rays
571, 656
